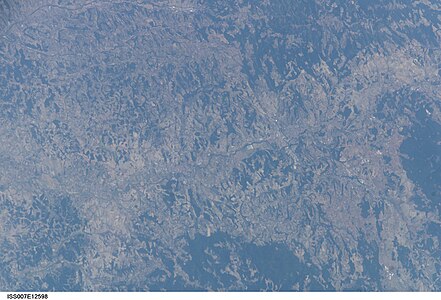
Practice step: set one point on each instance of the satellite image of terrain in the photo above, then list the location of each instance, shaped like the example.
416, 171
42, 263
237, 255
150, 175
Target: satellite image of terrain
230, 145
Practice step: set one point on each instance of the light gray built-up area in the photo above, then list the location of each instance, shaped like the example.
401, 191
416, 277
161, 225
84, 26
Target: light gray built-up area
220, 145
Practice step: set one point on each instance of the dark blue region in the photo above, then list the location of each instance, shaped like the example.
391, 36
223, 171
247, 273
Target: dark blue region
260, 267
371, 278
422, 157
420, 151
404, 256
67, 278
53, 234
299, 19
273, 266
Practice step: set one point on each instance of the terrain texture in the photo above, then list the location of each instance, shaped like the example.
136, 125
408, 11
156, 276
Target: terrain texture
220, 145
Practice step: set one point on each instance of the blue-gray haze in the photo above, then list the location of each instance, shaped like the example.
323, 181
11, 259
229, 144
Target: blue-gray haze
220, 145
